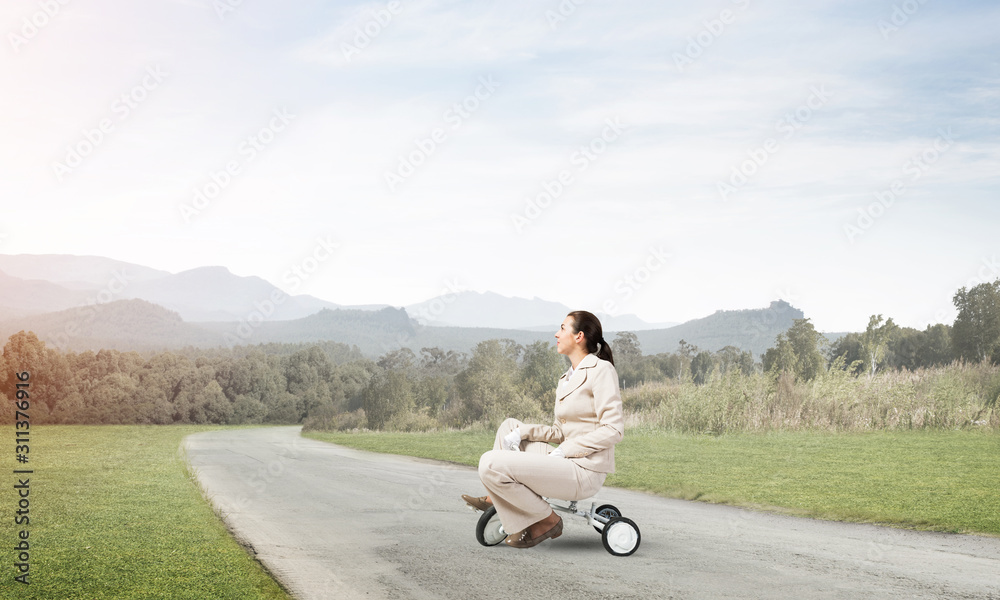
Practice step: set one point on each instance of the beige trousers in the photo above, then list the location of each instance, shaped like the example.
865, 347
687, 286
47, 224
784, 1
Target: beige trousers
517, 481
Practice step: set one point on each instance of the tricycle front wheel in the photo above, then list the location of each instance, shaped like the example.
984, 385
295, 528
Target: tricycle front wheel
489, 530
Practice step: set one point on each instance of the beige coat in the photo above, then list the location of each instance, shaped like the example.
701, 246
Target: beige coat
588, 416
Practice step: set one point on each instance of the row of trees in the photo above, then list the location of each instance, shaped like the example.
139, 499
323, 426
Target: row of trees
974, 337
248, 386
110, 386
801, 351
804, 352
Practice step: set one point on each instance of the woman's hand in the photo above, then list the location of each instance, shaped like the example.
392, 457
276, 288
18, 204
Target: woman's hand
512, 441
557, 453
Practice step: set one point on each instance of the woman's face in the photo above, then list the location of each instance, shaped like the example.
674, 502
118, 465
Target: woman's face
566, 340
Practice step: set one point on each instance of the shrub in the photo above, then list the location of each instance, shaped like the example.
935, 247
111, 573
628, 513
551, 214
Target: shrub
956, 396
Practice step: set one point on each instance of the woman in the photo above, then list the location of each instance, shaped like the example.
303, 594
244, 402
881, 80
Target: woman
523, 467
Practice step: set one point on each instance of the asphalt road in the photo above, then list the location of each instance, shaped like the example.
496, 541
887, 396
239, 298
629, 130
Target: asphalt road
332, 522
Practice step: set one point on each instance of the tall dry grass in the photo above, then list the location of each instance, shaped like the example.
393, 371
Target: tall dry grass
959, 396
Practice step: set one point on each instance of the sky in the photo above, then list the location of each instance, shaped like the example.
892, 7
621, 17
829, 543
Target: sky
661, 159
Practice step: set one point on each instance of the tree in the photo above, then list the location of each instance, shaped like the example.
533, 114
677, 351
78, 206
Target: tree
541, 368
308, 374
433, 393
401, 359
217, 408
976, 333
435, 361
936, 348
626, 347
686, 350
7, 409
48, 370
353, 378
780, 358
797, 351
848, 347
875, 340
701, 367
628, 358
808, 345
490, 386
731, 358
667, 365
387, 394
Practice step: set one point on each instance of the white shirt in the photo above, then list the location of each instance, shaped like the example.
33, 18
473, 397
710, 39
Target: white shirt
568, 375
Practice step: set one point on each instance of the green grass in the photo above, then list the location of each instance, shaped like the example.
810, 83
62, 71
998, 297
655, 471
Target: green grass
115, 514
936, 480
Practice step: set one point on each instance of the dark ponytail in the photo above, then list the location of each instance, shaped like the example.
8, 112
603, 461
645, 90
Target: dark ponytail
592, 332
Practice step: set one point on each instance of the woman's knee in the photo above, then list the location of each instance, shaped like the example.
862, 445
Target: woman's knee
486, 462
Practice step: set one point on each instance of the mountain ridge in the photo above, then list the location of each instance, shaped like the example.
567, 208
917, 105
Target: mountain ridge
212, 307
135, 324
467, 308
214, 293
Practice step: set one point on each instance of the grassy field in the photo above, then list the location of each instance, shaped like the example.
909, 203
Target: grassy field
936, 480
115, 514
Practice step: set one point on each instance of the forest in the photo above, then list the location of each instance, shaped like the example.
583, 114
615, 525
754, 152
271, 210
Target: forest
883, 377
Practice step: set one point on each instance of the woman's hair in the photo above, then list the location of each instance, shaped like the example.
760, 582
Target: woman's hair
591, 328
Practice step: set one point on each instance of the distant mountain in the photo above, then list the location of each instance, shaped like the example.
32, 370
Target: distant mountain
142, 326
74, 272
31, 296
139, 325
488, 309
216, 294
374, 332
120, 325
35, 284
88, 302
51, 282
753, 329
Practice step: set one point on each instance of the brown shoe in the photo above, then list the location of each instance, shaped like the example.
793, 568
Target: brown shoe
482, 503
521, 539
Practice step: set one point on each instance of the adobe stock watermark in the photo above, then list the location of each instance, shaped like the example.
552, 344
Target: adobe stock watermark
32, 25
873, 555
735, 522
563, 11
453, 117
789, 125
121, 109
296, 275
900, 16
580, 161
85, 315
711, 30
633, 281
224, 8
246, 152
915, 167
367, 27
439, 305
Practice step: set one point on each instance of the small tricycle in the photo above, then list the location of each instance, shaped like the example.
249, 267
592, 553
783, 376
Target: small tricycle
619, 535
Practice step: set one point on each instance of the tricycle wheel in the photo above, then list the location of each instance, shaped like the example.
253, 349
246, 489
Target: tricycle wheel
621, 536
608, 511
489, 531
